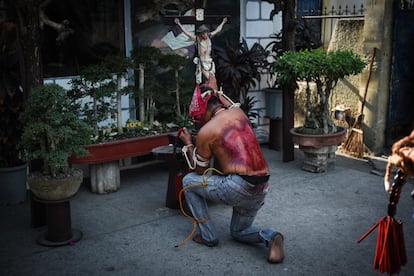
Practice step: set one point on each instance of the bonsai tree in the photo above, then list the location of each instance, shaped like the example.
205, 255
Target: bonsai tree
146, 62
175, 64
52, 130
322, 68
119, 66
162, 87
93, 93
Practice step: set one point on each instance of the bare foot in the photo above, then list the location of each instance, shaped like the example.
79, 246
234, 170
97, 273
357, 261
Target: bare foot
276, 252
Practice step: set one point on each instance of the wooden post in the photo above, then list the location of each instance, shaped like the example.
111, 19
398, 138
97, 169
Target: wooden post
288, 40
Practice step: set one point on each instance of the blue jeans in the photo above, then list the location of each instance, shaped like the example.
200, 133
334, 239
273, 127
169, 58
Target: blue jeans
232, 190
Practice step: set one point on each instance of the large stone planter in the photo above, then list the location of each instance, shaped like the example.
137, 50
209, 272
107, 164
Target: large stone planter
319, 150
47, 188
104, 159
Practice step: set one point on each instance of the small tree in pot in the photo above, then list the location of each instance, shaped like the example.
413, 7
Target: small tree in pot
322, 68
52, 133
319, 137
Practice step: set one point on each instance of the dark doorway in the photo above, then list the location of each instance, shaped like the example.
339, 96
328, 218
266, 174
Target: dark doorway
401, 111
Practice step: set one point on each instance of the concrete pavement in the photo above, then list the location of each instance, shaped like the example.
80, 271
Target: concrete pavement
131, 232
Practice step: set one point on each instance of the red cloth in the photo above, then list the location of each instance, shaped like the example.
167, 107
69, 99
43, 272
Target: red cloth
198, 105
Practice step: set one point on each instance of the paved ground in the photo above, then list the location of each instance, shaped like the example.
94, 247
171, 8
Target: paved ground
131, 232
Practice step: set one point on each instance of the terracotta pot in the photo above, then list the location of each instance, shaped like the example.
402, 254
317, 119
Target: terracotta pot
111, 151
54, 189
319, 149
318, 140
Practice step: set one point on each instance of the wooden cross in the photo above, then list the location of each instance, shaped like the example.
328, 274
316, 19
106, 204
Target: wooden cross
200, 17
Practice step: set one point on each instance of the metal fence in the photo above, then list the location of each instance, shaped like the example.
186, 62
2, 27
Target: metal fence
326, 18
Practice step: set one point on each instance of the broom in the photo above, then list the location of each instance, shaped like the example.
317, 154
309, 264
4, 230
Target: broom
354, 143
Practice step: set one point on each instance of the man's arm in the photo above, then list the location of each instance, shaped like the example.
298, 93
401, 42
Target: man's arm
190, 36
219, 27
194, 160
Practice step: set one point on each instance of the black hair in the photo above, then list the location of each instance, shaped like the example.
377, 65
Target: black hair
213, 101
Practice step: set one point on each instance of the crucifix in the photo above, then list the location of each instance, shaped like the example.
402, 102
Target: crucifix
204, 63
199, 17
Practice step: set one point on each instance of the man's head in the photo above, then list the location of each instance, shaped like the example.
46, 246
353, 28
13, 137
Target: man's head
213, 104
201, 102
202, 29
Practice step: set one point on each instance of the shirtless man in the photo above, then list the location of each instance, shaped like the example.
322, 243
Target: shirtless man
226, 136
204, 46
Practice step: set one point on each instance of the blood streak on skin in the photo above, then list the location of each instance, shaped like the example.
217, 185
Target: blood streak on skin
241, 144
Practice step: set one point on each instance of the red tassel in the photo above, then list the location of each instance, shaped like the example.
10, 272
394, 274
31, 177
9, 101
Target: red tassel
390, 253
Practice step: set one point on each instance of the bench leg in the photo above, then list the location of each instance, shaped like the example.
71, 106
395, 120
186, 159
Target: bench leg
105, 177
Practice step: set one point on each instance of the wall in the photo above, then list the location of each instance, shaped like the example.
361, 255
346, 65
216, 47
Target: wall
332, 8
348, 35
378, 32
256, 26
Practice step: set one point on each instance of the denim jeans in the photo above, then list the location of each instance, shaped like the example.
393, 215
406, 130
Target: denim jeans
231, 190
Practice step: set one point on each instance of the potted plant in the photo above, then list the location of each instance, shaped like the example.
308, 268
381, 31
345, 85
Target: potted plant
52, 133
320, 71
238, 69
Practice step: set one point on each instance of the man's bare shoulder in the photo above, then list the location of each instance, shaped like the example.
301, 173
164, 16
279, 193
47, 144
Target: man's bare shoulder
207, 130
